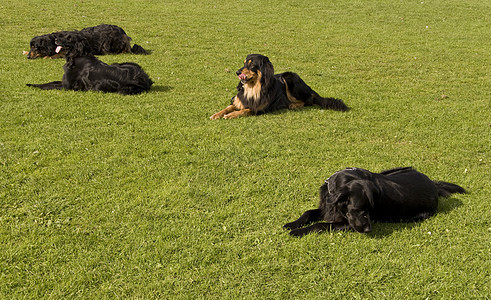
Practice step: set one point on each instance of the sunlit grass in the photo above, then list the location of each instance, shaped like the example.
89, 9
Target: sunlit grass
110, 196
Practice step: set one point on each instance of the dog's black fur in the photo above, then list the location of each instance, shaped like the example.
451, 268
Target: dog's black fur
352, 198
261, 91
103, 39
84, 72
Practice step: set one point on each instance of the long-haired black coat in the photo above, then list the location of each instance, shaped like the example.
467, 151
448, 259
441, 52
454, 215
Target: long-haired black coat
352, 198
103, 39
84, 72
261, 91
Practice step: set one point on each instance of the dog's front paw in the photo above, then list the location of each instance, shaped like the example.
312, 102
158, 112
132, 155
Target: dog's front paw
216, 116
290, 226
299, 232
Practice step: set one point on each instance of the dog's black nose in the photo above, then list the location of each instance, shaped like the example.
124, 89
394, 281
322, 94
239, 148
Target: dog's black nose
238, 72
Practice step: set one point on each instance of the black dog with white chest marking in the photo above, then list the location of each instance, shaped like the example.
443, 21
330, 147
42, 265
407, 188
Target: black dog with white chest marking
261, 91
352, 198
103, 39
84, 72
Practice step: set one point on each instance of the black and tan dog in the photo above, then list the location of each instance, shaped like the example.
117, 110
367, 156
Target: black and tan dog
352, 198
260, 91
103, 39
85, 72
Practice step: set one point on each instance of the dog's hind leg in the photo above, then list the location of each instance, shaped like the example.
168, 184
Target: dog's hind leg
295, 103
310, 216
299, 93
420, 217
55, 85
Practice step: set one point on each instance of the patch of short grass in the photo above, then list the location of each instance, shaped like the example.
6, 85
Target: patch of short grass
106, 196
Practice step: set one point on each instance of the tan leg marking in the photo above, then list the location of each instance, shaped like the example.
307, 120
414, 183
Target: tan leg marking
223, 112
296, 105
238, 113
294, 102
57, 55
33, 54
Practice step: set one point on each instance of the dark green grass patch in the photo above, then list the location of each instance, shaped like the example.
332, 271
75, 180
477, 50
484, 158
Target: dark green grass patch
110, 196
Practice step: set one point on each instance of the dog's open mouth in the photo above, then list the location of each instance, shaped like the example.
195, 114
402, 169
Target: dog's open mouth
58, 49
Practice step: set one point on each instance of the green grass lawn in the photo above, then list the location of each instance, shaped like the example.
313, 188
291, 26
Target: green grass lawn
110, 196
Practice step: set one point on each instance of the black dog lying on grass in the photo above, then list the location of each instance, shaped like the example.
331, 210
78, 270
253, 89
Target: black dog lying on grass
84, 72
103, 39
352, 198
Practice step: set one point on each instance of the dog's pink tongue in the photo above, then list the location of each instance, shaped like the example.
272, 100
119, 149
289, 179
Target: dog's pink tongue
58, 49
242, 76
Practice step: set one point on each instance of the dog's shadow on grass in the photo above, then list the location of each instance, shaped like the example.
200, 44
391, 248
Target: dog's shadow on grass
304, 109
161, 88
381, 230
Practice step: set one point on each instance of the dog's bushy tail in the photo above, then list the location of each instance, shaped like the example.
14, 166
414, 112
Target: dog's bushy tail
137, 49
446, 189
330, 103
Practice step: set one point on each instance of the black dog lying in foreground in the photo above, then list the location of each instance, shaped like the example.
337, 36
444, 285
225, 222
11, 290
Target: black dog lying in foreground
84, 72
103, 39
260, 91
352, 198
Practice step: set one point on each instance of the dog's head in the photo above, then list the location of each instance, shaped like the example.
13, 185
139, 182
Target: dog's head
359, 217
348, 196
257, 68
41, 46
73, 43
